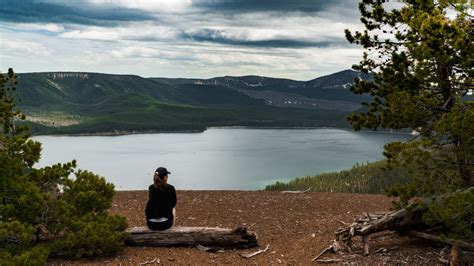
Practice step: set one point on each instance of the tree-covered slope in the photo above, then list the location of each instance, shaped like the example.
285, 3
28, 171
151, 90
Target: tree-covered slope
331, 92
335, 86
365, 178
58, 88
74, 102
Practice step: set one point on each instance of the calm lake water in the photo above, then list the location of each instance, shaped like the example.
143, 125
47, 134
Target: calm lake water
219, 158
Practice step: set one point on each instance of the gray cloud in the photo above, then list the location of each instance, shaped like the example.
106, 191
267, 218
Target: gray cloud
30, 11
84, 12
179, 38
219, 36
271, 5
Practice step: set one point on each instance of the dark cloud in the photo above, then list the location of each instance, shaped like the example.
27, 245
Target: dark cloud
218, 36
273, 5
30, 11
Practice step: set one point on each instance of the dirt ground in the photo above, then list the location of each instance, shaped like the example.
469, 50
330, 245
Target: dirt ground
296, 226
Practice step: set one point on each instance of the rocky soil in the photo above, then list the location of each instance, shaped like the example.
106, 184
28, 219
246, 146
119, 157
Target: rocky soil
296, 226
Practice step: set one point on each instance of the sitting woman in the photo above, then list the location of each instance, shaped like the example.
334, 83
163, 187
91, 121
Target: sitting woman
160, 212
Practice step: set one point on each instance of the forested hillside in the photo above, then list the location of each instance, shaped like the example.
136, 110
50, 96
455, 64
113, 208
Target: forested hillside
366, 178
75, 102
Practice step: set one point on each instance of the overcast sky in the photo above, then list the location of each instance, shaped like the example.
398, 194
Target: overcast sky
298, 39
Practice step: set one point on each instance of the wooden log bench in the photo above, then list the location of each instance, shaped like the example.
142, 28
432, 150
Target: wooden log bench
239, 237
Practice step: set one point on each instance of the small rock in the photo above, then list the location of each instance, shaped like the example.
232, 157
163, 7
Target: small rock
203, 248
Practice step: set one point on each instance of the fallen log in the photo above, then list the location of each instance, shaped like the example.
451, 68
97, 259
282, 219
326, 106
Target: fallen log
239, 237
398, 220
403, 221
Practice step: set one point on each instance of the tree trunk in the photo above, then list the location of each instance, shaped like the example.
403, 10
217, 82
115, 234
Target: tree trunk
404, 220
398, 220
190, 236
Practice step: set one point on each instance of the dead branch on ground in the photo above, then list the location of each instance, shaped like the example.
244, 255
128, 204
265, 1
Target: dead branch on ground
296, 191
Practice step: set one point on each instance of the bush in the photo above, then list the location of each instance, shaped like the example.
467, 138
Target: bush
456, 213
370, 178
44, 212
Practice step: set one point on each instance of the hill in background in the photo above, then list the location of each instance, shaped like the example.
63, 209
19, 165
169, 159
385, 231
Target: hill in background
88, 103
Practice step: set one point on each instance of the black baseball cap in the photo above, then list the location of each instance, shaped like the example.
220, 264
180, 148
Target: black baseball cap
162, 171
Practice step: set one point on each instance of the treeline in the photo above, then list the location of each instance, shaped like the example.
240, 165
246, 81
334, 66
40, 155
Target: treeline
158, 117
372, 178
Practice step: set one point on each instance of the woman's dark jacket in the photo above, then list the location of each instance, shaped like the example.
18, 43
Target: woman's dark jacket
160, 202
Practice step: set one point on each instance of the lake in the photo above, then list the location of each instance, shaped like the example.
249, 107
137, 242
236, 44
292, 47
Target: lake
219, 158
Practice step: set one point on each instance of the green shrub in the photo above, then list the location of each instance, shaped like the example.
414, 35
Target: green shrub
43, 211
456, 212
370, 178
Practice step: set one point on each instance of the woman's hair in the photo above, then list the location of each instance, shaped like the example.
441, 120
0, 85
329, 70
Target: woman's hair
159, 181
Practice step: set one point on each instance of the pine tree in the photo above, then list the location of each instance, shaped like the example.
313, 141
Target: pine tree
421, 56
44, 212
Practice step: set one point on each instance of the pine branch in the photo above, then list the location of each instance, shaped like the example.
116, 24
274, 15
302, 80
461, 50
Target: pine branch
451, 161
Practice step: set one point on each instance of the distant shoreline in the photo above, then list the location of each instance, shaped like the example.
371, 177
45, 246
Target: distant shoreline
125, 133
122, 133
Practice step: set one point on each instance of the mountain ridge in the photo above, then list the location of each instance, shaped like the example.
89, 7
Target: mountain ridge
102, 102
311, 94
